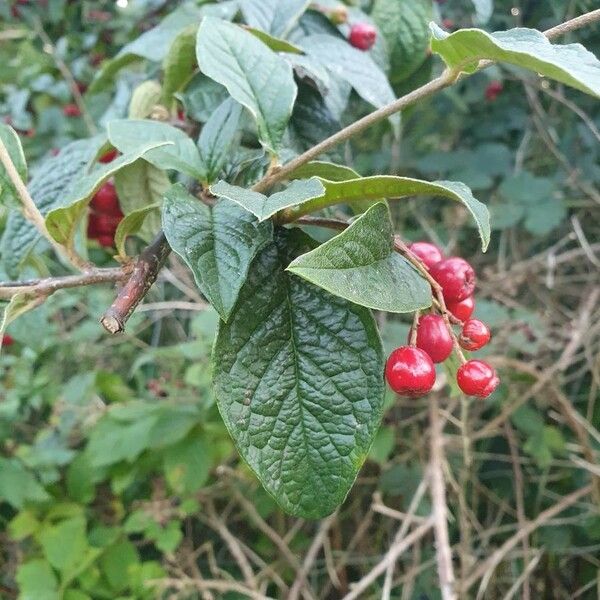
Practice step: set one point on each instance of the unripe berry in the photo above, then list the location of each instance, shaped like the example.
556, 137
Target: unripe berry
434, 338
106, 200
362, 36
410, 372
71, 110
108, 156
428, 253
475, 335
477, 378
462, 309
456, 277
339, 15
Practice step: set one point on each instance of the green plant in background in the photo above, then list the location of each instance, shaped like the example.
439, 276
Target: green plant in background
217, 133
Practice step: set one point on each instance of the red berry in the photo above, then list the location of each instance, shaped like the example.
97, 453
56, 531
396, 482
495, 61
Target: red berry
493, 90
71, 110
106, 200
362, 36
448, 24
181, 114
477, 378
81, 87
456, 276
106, 240
427, 252
109, 156
475, 335
462, 309
434, 338
101, 224
410, 372
7, 340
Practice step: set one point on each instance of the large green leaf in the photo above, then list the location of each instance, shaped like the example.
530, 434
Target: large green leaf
276, 17
360, 264
64, 217
218, 245
37, 581
12, 143
404, 25
177, 150
298, 376
367, 189
298, 192
570, 64
51, 182
217, 137
255, 76
352, 66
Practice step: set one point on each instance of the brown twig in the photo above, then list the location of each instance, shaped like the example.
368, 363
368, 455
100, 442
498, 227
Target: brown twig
143, 275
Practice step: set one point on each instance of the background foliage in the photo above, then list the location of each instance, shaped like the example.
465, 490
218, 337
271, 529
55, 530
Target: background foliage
117, 476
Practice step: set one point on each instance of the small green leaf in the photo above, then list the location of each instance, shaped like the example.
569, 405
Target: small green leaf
177, 150
570, 64
37, 581
218, 245
61, 556
367, 189
62, 220
217, 137
132, 224
8, 193
360, 264
179, 63
144, 98
15, 307
298, 376
404, 25
255, 76
18, 485
276, 44
187, 464
298, 192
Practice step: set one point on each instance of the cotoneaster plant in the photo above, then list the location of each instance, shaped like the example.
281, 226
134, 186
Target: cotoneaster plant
228, 156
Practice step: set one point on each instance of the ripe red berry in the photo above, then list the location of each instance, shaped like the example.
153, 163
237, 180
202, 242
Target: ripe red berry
477, 378
448, 24
107, 241
456, 276
102, 224
434, 338
493, 90
7, 340
109, 156
71, 110
410, 372
429, 253
475, 335
462, 309
362, 36
106, 200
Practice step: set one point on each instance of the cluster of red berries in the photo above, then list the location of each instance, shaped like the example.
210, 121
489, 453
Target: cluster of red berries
105, 211
410, 369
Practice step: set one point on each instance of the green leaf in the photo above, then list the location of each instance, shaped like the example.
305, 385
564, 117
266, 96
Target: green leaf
117, 561
202, 96
276, 17
51, 182
324, 170
352, 66
177, 150
298, 377
8, 193
18, 486
62, 220
276, 44
179, 63
37, 581
360, 265
367, 189
218, 245
132, 223
144, 98
570, 64
64, 556
298, 192
255, 76
12, 309
187, 464
217, 137
404, 25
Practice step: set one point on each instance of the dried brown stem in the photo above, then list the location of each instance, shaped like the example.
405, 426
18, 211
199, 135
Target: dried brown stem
143, 275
